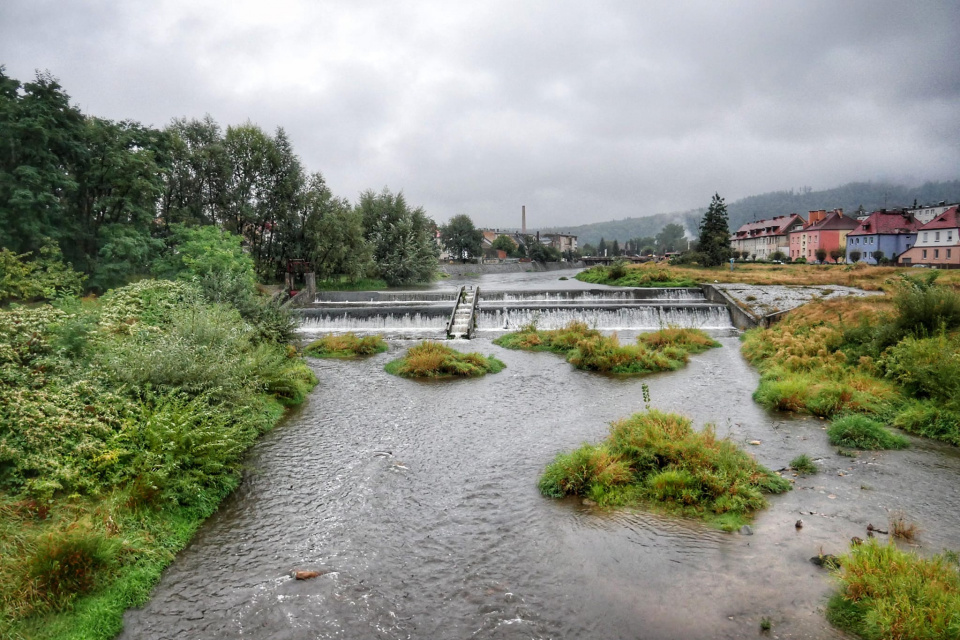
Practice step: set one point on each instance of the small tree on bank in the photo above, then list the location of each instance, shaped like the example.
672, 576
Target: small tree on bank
715, 233
855, 256
821, 255
505, 243
836, 254
777, 256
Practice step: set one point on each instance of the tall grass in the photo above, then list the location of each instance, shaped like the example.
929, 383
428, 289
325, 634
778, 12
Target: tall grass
860, 432
648, 275
657, 459
347, 345
588, 349
434, 360
888, 593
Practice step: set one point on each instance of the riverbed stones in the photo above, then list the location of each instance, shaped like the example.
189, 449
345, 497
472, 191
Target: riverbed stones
746, 530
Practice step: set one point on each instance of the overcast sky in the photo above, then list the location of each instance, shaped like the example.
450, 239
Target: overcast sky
582, 111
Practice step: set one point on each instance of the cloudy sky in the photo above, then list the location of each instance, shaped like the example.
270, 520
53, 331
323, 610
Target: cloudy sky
582, 111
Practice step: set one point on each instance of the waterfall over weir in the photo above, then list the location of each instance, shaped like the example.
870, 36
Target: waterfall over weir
419, 314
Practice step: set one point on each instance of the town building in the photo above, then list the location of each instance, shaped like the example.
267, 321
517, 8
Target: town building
764, 237
938, 242
928, 212
889, 232
824, 230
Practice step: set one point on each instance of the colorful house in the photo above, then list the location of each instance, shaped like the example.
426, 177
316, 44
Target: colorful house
938, 242
827, 231
890, 232
763, 237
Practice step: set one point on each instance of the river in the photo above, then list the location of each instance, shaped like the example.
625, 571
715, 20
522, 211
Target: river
420, 500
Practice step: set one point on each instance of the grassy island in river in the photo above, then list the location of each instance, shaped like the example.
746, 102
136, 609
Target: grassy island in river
657, 460
348, 345
588, 349
434, 360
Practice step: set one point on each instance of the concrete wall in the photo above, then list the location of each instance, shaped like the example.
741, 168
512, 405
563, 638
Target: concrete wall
508, 267
741, 318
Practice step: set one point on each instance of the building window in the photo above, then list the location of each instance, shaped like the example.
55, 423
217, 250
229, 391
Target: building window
948, 253
936, 253
925, 234
936, 236
924, 253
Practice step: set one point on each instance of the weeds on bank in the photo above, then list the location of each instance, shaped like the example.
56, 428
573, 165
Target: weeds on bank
861, 432
621, 275
122, 426
434, 360
588, 349
888, 593
348, 345
656, 459
804, 465
895, 359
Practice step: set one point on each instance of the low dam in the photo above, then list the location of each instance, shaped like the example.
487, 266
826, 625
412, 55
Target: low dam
425, 312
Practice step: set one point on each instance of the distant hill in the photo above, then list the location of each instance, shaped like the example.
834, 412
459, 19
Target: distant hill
849, 197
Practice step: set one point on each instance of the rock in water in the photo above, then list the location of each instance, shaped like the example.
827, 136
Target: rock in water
826, 560
306, 575
746, 530
799, 524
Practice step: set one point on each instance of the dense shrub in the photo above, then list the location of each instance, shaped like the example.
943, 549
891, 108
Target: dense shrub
923, 308
42, 278
930, 419
861, 432
434, 360
925, 367
657, 458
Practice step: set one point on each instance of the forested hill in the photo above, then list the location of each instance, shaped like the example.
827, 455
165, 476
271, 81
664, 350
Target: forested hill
849, 197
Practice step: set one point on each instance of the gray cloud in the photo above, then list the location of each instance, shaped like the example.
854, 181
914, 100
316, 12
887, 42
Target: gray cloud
580, 111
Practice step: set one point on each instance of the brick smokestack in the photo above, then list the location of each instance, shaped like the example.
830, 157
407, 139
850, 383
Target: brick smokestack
523, 219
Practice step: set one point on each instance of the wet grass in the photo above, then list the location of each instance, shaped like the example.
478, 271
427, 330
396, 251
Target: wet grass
861, 432
656, 460
435, 360
894, 359
635, 276
804, 465
888, 593
348, 345
346, 284
664, 350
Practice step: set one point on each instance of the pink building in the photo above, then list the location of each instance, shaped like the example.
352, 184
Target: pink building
827, 231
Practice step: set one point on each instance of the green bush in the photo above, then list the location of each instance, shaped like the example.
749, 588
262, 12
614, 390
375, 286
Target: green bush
861, 432
924, 308
803, 464
925, 367
42, 278
65, 564
931, 420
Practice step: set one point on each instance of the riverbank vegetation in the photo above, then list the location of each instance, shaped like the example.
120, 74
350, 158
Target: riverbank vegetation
123, 422
858, 275
894, 360
347, 345
657, 460
889, 593
435, 360
588, 349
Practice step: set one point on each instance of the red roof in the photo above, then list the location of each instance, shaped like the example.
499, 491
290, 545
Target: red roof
834, 221
886, 223
946, 220
771, 227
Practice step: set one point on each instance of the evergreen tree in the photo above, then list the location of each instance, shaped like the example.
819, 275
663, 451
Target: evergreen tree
715, 233
615, 250
602, 248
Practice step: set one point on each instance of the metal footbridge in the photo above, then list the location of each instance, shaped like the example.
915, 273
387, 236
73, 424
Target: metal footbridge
463, 319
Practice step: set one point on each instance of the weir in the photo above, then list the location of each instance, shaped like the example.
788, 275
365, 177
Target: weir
435, 313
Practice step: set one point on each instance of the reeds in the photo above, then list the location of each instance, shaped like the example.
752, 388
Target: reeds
347, 345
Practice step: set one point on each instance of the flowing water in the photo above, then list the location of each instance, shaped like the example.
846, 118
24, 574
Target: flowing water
420, 500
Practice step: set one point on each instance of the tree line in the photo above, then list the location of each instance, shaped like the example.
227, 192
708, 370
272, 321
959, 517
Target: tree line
117, 198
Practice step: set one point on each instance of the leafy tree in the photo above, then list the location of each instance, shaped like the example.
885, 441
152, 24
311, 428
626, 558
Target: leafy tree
671, 238
821, 255
715, 233
589, 250
505, 243
461, 238
855, 256
41, 279
401, 238
198, 252
777, 255
836, 254
877, 255
334, 235
542, 253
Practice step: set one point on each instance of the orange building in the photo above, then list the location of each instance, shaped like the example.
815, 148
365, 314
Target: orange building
825, 230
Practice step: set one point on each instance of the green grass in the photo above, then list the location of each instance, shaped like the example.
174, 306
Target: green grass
635, 277
861, 432
803, 465
124, 424
664, 350
348, 345
656, 460
434, 360
888, 593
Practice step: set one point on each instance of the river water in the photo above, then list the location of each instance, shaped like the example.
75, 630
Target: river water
420, 500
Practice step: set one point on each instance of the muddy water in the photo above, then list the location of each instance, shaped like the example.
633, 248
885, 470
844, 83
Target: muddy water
421, 501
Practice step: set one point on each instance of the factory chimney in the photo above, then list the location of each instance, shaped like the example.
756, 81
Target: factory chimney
523, 218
